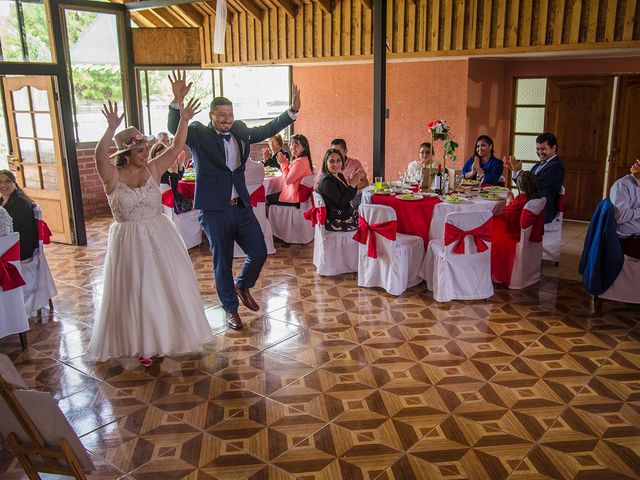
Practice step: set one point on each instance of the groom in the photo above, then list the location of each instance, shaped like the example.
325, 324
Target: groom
220, 151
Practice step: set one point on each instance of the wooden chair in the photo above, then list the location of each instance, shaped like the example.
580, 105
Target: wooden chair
59, 452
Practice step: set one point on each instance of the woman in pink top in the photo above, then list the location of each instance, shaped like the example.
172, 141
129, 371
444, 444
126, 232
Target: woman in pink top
293, 172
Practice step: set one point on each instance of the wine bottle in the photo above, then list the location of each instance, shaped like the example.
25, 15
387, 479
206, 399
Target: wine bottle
437, 181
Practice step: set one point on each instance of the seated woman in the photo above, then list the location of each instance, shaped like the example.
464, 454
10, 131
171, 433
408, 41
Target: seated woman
171, 177
414, 169
270, 154
20, 208
293, 172
506, 228
338, 192
483, 165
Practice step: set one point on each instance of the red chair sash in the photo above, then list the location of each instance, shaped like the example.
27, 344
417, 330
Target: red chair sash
316, 215
258, 196
304, 192
527, 219
367, 233
167, 198
10, 277
44, 233
481, 235
561, 203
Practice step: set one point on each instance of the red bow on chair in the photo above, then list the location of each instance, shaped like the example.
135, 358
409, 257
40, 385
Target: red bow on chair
44, 233
305, 192
368, 232
10, 277
481, 235
529, 218
316, 215
167, 198
258, 196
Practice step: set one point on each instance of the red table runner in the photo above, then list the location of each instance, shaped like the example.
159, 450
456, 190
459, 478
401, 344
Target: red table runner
414, 216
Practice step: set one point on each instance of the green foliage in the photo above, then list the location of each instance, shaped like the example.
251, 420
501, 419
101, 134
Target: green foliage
98, 83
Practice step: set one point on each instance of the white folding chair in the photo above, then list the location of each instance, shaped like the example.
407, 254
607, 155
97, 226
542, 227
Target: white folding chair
13, 316
625, 286
528, 258
465, 275
288, 223
40, 287
387, 259
187, 223
260, 211
552, 240
334, 253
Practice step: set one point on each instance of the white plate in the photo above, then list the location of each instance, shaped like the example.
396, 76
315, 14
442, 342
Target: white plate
415, 196
491, 199
463, 200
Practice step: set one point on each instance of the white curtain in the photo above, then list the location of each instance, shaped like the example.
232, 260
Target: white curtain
220, 27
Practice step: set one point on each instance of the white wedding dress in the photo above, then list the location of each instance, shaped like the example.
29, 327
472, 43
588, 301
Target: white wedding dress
151, 304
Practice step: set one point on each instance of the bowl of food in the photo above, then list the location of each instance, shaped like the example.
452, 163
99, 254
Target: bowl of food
452, 199
469, 183
409, 196
382, 191
270, 169
496, 189
491, 196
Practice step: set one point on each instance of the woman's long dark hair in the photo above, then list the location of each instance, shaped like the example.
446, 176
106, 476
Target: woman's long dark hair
325, 159
306, 152
9, 174
528, 184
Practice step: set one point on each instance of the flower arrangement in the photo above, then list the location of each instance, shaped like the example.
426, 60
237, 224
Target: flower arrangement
439, 130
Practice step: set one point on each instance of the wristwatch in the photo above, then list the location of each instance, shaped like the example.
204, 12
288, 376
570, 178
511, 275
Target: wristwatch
294, 110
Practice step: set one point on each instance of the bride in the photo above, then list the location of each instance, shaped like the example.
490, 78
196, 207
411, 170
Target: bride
151, 304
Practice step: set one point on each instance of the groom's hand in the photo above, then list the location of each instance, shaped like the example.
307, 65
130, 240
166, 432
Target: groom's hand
179, 85
295, 102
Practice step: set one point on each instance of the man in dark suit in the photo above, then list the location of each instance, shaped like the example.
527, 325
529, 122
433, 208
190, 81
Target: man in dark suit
549, 172
220, 151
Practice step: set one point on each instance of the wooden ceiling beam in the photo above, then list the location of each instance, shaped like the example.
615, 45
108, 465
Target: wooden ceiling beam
368, 4
152, 18
253, 8
212, 6
289, 6
326, 4
190, 14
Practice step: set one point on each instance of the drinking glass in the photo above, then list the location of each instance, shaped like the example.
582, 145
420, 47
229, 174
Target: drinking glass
457, 181
377, 182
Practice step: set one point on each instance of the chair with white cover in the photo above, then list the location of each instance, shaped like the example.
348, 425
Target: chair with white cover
187, 223
39, 288
625, 286
458, 266
258, 202
552, 240
334, 253
288, 223
386, 259
528, 258
13, 316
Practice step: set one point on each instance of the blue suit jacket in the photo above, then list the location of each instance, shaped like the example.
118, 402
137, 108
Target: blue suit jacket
602, 256
550, 180
214, 180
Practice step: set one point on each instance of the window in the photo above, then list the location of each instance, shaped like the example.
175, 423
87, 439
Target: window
258, 93
96, 75
24, 31
528, 118
4, 135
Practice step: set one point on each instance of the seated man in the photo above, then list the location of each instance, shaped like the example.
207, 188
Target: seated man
270, 155
549, 172
426, 154
350, 167
625, 197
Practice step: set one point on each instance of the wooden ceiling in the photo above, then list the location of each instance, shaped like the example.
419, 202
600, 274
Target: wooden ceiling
289, 31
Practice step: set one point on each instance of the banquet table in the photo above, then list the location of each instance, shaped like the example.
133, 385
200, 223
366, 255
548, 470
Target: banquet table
273, 184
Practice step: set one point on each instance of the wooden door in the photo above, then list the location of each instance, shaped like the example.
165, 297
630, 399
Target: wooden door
626, 135
578, 111
36, 142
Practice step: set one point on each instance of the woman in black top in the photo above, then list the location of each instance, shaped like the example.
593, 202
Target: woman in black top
20, 207
337, 192
171, 177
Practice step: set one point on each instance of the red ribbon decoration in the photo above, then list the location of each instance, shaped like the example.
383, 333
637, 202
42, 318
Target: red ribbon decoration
258, 196
304, 192
10, 277
44, 234
316, 215
367, 232
481, 235
527, 219
167, 198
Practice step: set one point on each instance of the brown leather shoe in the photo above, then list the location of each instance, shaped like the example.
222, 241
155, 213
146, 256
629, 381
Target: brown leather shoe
234, 321
247, 300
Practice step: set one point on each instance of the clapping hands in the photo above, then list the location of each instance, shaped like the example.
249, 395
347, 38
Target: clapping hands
513, 164
282, 158
355, 179
266, 153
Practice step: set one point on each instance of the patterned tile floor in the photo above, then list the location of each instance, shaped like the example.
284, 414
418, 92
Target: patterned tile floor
331, 381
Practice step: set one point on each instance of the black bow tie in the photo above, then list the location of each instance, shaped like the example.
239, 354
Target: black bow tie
225, 136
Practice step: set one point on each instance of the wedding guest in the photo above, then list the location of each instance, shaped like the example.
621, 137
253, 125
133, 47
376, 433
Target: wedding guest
171, 177
293, 172
6, 222
151, 303
163, 138
20, 207
338, 192
506, 228
625, 197
270, 155
426, 154
351, 166
483, 164
549, 172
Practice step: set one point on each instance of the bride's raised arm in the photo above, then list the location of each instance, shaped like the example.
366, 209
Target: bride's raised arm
107, 172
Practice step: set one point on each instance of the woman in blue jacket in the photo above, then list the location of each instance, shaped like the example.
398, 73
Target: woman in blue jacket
483, 165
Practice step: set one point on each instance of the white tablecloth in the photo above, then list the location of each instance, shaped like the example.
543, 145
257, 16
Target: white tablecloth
475, 204
273, 184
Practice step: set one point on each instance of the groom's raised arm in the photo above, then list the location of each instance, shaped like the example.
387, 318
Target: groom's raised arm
180, 89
